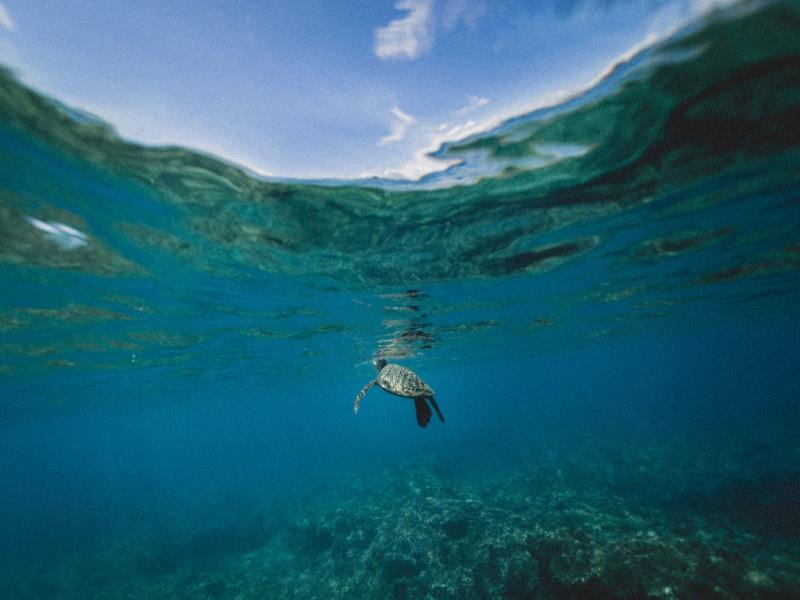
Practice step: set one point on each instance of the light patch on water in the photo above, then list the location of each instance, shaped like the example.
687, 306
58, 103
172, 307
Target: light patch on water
562, 151
67, 238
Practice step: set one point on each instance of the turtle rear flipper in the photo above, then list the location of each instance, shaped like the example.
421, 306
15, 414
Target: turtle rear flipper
423, 411
436, 408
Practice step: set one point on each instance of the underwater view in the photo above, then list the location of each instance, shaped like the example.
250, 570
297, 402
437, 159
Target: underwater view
598, 301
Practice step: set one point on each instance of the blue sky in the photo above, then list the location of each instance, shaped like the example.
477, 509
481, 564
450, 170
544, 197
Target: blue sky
337, 88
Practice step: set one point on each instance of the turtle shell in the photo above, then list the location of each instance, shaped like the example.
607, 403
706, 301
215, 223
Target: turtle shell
402, 382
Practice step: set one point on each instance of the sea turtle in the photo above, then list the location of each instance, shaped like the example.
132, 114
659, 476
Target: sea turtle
404, 382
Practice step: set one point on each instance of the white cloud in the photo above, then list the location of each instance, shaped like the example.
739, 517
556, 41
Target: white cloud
6, 22
409, 37
401, 124
474, 103
404, 117
466, 11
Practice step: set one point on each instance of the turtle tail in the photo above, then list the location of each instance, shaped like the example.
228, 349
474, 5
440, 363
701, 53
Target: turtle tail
361, 395
423, 411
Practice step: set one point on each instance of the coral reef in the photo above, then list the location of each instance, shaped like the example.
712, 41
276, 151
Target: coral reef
661, 521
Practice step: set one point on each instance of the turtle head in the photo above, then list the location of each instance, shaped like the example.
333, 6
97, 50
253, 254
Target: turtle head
379, 363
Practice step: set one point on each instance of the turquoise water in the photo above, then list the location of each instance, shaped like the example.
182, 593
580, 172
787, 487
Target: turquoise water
603, 295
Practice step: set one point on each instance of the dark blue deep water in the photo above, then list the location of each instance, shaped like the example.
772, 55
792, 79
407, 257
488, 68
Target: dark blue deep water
603, 295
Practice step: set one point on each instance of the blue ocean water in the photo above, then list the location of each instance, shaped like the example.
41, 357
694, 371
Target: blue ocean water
603, 295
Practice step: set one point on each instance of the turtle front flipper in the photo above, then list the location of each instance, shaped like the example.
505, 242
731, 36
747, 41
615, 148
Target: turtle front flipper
423, 411
363, 393
436, 408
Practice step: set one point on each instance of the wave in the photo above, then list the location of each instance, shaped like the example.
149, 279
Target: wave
713, 100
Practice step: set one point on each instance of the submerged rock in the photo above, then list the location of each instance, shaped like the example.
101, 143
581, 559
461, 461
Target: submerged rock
455, 529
